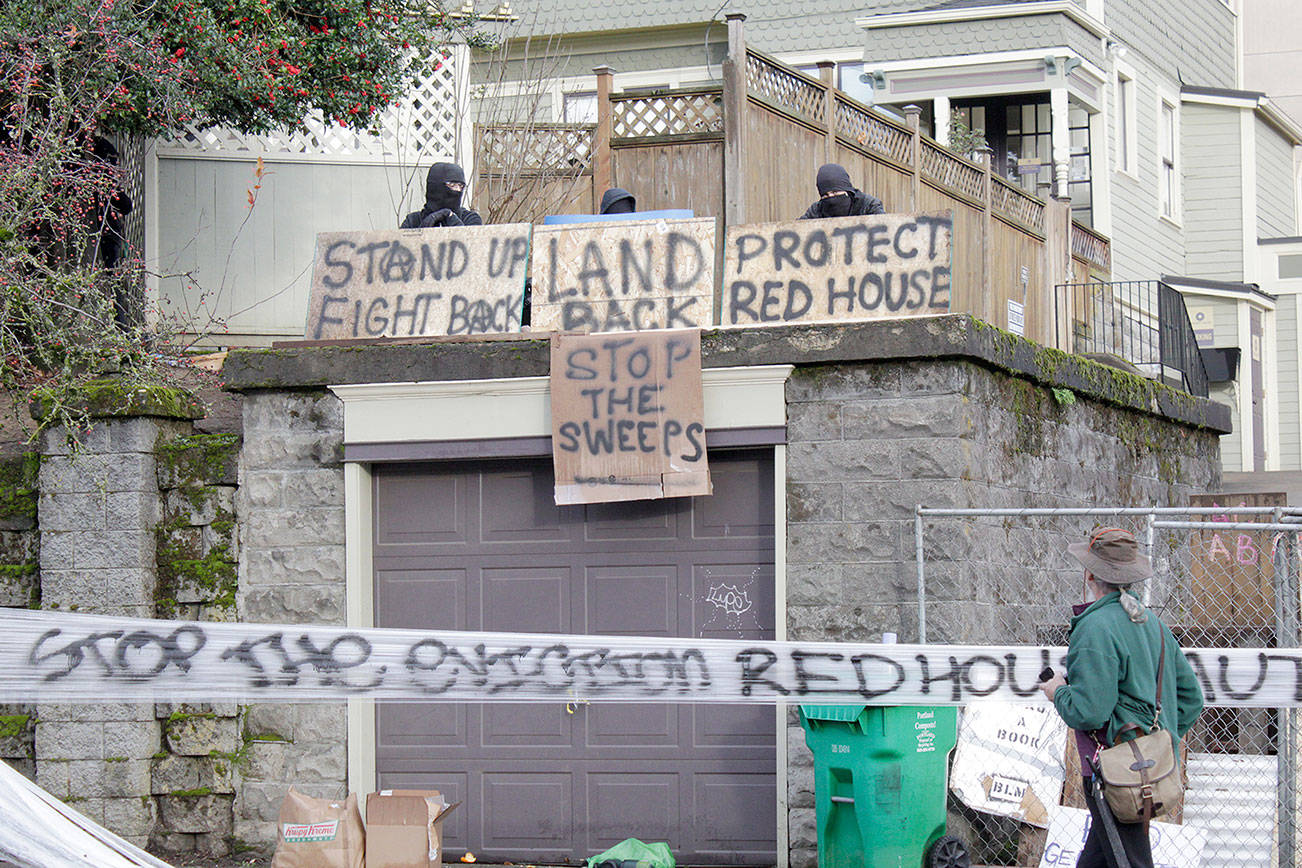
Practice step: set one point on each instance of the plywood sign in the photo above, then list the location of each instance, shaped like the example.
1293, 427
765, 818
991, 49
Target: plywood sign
1233, 571
625, 276
838, 269
628, 416
464, 280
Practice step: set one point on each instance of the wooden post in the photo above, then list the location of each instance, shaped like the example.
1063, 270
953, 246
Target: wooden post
735, 107
984, 306
913, 117
1057, 271
827, 74
601, 170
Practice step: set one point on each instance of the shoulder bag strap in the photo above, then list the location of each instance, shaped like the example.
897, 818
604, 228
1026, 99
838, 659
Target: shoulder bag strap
1161, 663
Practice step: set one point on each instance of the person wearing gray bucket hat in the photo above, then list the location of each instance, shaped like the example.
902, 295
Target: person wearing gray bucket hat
1112, 556
1113, 647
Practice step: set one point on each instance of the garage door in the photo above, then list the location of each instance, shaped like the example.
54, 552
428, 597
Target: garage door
483, 547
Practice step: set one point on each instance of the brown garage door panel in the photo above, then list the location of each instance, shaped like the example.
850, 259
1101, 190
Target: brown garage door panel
420, 509
482, 546
725, 818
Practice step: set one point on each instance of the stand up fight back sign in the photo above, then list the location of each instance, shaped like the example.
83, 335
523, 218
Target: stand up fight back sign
625, 276
837, 270
418, 282
627, 416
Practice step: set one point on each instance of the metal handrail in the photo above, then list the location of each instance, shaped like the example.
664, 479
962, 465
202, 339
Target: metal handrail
1143, 322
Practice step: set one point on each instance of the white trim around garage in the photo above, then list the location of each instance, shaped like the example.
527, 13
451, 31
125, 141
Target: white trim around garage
359, 602
424, 412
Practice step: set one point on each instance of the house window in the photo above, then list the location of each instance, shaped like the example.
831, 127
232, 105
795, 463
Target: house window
579, 108
1127, 139
1166, 169
850, 77
1078, 179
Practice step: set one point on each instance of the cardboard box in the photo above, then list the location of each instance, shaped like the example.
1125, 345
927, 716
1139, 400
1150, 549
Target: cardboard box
403, 828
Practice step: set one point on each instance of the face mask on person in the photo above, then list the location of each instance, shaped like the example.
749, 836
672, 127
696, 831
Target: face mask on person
837, 206
443, 187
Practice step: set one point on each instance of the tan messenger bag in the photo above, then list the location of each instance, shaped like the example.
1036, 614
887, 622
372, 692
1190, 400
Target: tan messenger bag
1141, 780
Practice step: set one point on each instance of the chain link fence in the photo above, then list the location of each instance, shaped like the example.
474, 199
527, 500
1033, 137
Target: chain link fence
1225, 577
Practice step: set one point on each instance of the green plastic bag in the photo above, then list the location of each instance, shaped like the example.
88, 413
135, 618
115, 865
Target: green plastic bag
632, 853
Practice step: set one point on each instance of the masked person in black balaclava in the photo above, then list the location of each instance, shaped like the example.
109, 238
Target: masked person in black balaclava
617, 200
839, 198
443, 188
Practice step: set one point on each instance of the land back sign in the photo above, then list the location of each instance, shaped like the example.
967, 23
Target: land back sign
418, 282
624, 276
837, 270
628, 416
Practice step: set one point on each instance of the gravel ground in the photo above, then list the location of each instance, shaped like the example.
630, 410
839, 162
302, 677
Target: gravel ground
193, 861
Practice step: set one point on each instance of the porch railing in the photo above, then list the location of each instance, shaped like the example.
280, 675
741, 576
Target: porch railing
745, 150
1143, 322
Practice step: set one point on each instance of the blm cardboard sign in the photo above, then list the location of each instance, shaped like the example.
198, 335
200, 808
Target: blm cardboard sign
837, 270
1009, 760
624, 276
401, 283
628, 416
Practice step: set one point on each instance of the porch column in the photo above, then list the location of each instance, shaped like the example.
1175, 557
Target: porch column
940, 108
1061, 140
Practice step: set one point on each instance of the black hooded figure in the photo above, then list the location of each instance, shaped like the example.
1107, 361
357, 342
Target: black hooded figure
443, 188
112, 237
617, 200
839, 198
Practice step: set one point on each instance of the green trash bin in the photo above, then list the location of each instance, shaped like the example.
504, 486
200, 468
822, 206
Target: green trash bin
880, 780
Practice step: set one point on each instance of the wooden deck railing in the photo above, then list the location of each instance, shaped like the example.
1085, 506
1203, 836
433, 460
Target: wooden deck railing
1092, 247
747, 149
858, 125
661, 114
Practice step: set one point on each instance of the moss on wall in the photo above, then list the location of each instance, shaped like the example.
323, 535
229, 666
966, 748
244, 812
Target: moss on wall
113, 398
198, 461
195, 466
19, 480
13, 725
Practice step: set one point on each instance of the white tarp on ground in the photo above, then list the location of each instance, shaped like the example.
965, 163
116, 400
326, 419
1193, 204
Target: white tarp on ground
66, 657
39, 831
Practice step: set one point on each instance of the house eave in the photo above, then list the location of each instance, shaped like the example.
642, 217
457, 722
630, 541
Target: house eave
980, 13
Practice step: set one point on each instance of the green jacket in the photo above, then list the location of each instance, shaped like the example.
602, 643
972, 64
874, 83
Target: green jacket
1112, 673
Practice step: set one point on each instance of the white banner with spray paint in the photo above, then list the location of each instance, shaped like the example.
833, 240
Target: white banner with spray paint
66, 657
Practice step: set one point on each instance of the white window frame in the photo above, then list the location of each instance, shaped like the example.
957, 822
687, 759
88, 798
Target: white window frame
1168, 176
1126, 118
572, 99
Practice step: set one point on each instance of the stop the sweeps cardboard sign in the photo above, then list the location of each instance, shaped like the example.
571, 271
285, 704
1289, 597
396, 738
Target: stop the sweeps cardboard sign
628, 416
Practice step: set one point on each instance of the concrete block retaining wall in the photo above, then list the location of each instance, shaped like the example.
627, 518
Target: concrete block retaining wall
867, 444
291, 504
155, 521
